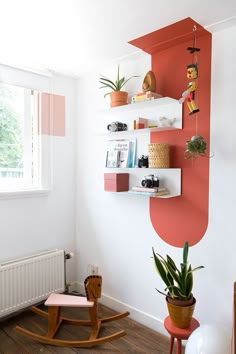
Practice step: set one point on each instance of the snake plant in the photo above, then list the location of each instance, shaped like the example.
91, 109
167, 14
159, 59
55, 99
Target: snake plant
179, 282
114, 85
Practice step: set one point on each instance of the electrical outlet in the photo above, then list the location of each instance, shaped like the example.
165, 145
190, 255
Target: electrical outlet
92, 269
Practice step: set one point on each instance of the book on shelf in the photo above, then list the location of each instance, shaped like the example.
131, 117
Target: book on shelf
145, 96
132, 153
145, 189
160, 192
120, 153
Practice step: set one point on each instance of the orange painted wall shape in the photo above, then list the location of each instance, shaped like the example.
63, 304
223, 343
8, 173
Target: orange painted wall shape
184, 218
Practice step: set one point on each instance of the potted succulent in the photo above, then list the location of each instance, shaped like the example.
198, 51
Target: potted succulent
179, 285
117, 96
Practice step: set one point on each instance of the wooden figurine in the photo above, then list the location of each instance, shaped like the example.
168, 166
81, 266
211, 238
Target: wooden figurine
189, 94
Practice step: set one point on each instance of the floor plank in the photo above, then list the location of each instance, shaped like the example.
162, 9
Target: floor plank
139, 339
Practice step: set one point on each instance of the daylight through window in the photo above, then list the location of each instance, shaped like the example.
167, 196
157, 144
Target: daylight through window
19, 139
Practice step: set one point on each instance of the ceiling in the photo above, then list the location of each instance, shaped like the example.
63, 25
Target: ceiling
77, 36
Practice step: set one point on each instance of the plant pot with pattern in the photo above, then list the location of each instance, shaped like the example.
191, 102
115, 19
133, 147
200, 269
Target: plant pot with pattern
117, 96
179, 284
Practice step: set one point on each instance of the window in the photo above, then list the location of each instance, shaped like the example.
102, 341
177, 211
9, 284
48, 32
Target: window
20, 141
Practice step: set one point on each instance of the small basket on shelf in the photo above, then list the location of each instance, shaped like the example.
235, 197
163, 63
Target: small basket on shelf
159, 155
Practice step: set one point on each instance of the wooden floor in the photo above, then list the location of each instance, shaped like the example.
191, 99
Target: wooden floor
139, 339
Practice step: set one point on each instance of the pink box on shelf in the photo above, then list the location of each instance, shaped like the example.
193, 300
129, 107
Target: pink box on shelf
116, 182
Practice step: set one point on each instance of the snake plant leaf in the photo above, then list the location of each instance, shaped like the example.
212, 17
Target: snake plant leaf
170, 278
171, 262
176, 293
160, 269
174, 275
200, 267
189, 284
160, 292
185, 253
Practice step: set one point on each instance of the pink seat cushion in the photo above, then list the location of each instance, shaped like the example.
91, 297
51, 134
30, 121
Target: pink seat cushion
68, 300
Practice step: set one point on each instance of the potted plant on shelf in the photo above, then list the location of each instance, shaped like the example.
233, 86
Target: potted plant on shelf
179, 284
118, 97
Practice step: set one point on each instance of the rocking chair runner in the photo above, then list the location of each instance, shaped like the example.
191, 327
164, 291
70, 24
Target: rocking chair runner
93, 287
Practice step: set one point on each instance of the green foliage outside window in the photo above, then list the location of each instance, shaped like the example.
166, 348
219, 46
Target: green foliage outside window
11, 130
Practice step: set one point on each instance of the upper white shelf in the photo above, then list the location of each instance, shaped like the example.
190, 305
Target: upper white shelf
162, 101
152, 110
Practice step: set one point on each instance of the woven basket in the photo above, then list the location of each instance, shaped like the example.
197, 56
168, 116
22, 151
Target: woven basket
158, 155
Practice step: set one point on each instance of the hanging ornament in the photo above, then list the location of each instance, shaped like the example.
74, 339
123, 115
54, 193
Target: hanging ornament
192, 75
189, 94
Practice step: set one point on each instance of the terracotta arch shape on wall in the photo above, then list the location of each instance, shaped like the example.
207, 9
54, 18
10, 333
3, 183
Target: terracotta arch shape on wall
184, 218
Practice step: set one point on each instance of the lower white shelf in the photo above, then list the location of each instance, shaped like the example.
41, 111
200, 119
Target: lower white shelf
169, 178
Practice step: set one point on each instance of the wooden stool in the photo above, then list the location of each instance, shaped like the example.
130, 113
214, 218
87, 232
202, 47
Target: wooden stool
179, 333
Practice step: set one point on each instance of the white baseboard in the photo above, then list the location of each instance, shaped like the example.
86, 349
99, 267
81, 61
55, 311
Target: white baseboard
135, 314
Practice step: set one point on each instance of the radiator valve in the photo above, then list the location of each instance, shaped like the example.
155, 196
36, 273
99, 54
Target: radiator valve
69, 255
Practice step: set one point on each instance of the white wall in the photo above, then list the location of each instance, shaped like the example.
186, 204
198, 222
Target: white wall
114, 231
33, 224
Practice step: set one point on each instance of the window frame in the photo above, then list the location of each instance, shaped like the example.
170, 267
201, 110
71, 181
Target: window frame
44, 143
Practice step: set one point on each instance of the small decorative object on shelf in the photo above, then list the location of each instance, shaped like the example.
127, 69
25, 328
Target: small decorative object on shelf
159, 155
115, 89
149, 82
150, 181
166, 122
141, 123
195, 147
143, 161
117, 127
116, 182
149, 187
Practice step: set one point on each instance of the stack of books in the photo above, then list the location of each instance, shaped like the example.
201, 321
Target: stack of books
145, 96
151, 192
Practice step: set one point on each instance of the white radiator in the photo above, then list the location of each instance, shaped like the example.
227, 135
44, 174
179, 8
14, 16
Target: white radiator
29, 280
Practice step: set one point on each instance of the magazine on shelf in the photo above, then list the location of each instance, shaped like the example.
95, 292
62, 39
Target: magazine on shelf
112, 158
121, 153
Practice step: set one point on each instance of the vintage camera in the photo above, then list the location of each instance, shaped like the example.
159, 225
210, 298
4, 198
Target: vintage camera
143, 161
150, 181
117, 127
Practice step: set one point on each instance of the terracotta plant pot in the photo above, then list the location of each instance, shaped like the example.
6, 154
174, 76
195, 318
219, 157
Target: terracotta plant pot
118, 98
181, 314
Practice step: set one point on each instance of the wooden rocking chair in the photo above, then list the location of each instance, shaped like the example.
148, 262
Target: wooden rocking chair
93, 287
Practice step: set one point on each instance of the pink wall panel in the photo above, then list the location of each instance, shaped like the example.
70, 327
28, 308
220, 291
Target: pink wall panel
52, 114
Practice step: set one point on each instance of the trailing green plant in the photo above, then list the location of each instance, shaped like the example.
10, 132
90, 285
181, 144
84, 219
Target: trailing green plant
114, 85
195, 147
179, 282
